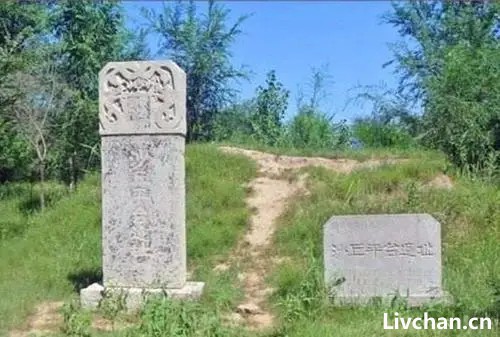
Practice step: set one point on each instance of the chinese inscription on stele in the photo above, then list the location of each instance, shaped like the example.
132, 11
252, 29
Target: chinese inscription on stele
383, 256
142, 116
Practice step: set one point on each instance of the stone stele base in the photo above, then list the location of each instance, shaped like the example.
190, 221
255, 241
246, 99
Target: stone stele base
134, 298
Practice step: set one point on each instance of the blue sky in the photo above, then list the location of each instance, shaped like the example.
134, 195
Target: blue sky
293, 36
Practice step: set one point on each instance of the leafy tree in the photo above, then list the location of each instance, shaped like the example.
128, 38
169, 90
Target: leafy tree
200, 45
451, 66
43, 98
462, 116
392, 123
234, 122
18, 26
90, 35
430, 28
21, 26
388, 108
271, 104
315, 91
15, 153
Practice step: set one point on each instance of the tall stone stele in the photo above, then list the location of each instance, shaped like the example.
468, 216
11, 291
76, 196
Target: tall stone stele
142, 115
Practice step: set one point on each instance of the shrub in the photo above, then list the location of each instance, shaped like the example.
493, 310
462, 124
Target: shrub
233, 123
376, 134
315, 130
271, 104
462, 117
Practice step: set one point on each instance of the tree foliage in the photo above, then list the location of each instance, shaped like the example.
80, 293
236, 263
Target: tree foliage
271, 104
21, 29
463, 118
75, 39
391, 123
315, 91
19, 26
429, 28
90, 34
35, 111
200, 44
450, 64
233, 123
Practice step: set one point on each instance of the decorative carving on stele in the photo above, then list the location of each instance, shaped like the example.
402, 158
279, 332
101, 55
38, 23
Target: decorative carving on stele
142, 98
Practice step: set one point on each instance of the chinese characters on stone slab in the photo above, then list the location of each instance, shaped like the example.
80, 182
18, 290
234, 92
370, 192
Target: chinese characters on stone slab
384, 249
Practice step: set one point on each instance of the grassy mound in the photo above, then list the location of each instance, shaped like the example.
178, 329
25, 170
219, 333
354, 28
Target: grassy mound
57, 251
470, 219
50, 255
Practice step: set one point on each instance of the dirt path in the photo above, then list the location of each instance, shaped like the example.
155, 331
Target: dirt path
271, 191
48, 319
45, 319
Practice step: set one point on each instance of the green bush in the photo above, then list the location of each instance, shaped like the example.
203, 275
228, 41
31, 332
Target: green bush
15, 154
234, 122
376, 134
271, 104
316, 131
462, 117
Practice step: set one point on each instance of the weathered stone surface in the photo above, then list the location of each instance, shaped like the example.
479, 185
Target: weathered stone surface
143, 211
134, 298
369, 256
142, 97
91, 296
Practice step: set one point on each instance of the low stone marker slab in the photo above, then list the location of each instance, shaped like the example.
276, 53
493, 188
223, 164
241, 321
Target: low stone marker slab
142, 115
382, 256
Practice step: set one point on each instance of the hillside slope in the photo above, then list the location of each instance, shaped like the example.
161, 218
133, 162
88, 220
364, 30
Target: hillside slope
60, 249
255, 237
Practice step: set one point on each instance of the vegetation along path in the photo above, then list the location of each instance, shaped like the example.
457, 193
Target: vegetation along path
271, 190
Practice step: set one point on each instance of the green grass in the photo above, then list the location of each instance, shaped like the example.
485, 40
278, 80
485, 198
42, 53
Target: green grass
470, 219
216, 209
19, 200
59, 249
59, 244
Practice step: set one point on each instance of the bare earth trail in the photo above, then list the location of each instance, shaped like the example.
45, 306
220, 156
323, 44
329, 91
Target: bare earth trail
271, 191
48, 319
44, 320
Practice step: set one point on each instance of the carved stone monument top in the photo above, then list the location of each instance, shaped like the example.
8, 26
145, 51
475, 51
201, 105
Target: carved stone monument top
383, 256
142, 97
